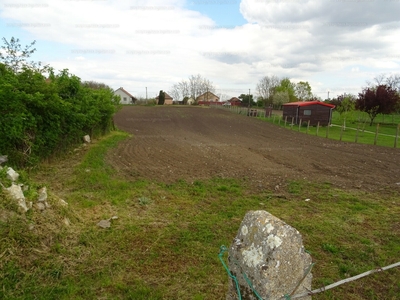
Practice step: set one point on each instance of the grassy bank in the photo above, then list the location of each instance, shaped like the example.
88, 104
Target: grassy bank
165, 242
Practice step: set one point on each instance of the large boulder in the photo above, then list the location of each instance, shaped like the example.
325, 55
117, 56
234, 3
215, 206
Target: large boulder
267, 257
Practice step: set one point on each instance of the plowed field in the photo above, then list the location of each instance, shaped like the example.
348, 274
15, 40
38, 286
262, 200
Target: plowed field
169, 143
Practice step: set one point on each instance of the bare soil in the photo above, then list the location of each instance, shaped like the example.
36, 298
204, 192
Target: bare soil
170, 143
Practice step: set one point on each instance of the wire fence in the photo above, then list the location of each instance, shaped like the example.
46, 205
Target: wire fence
355, 131
290, 296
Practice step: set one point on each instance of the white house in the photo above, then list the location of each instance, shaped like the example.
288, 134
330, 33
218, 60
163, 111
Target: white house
126, 98
190, 101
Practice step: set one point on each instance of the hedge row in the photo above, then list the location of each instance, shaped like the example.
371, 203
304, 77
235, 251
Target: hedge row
40, 115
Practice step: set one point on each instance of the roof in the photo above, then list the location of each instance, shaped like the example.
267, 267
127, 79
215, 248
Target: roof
126, 92
234, 99
203, 95
166, 96
307, 103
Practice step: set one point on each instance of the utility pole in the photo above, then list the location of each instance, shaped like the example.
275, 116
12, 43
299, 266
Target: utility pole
328, 95
146, 93
248, 106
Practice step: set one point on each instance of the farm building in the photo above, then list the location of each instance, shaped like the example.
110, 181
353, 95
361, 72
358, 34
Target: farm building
313, 111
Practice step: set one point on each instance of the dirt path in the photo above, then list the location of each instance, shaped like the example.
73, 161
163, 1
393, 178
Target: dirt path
172, 143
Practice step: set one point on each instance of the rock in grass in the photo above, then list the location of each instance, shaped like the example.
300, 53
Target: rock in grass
42, 194
104, 224
268, 257
86, 139
3, 159
63, 203
16, 193
40, 206
12, 175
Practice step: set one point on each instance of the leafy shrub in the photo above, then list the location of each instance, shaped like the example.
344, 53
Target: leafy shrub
42, 116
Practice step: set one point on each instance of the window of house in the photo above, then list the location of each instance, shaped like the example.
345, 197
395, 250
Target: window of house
124, 99
307, 112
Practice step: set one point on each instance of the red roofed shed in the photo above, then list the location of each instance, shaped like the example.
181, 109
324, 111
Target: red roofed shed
313, 111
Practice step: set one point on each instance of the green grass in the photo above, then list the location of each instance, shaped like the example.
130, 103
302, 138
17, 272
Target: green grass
165, 242
357, 129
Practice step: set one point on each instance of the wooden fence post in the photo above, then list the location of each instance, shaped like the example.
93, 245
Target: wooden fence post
358, 128
376, 134
285, 121
317, 128
341, 133
308, 126
292, 123
300, 124
397, 135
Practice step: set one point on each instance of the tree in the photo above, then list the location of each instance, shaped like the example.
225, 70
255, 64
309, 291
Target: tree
96, 85
245, 99
280, 98
199, 85
380, 100
266, 87
15, 57
161, 98
175, 92
193, 87
260, 101
392, 80
344, 104
286, 85
303, 91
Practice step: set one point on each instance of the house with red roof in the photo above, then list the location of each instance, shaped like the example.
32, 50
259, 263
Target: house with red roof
313, 111
168, 99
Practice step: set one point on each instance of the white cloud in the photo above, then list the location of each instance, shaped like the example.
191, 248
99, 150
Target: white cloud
154, 44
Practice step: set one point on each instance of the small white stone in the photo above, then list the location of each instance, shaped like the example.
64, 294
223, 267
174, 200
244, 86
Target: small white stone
12, 175
63, 203
42, 194
16, 193
307, 199
104, 224
86, 139
40, 206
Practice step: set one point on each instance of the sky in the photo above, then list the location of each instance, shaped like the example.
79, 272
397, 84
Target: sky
335, 45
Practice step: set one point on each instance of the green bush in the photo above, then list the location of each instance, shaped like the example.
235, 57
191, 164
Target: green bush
42, 116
